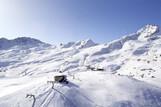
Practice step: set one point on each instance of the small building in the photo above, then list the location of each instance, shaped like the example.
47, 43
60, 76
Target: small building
61, 79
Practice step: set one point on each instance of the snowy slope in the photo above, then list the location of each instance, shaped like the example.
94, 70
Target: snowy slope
122, 73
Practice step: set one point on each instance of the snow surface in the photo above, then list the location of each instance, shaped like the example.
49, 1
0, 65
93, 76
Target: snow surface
122, 73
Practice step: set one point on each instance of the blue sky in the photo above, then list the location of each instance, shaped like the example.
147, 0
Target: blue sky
56, 21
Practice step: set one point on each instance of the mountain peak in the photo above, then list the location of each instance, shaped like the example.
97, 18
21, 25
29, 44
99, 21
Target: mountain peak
27, 40
80, 44
147, 32
85, 43
20, 41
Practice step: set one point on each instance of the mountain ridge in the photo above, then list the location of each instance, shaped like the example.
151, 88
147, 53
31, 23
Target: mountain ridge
142, 34
21, 41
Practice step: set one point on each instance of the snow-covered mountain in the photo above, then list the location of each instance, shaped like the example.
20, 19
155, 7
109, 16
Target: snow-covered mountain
20, 42
80, 44
123, 73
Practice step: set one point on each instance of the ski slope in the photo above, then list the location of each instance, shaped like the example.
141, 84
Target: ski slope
126, 72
